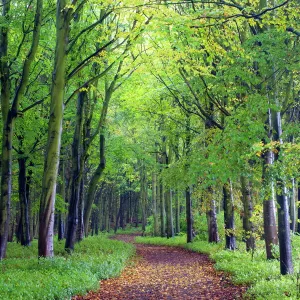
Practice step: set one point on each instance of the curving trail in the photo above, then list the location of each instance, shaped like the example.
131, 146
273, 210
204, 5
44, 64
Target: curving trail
167, 273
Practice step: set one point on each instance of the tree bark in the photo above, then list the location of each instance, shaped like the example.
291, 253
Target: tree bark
229, 217
213, 235
143, 195
177, 213
162, 211
98, 173
46, 215
269, 213
248, 211
24, 232
93, 186
285, 247
189, 216
154, 205
292, 206
73, 211
169, 209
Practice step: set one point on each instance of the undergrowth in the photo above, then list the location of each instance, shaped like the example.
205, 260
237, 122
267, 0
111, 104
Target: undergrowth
23, 276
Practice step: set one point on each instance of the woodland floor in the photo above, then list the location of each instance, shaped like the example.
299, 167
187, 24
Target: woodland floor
160, 272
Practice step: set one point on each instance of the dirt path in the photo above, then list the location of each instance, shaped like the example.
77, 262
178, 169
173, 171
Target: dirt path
167, 273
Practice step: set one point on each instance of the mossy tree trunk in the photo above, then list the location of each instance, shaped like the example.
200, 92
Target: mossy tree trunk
46, 215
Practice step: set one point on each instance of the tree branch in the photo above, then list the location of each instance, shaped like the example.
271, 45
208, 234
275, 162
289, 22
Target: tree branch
87, 60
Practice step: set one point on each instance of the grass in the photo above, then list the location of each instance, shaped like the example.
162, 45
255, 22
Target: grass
23, 276
262, 276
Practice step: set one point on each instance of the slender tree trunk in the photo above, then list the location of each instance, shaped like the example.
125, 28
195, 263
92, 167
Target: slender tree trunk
80, 226
229, 217
154, 203
158, 205
248, 211
188, 199
285, 247
170, 227
162, 211
177, 213
189, 215
28, 195
46, 216
24, 204
213, 235
118, 214
121, 211
109, 89
270, 228
93, 186
73, 212
143, 195
293, 206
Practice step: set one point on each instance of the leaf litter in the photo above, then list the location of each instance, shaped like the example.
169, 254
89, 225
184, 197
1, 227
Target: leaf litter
161, 272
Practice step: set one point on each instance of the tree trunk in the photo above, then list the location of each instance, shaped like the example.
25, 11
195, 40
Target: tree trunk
188, 200
177, 213
285, 247
293, 206
73, 211
80, 225
46, 215
189, 215
270, 228
143, 195
93, 186
229, 217
248, 211
61, 215
169, 209
154, 205
269, 213
213, 235
24, 231
162, 211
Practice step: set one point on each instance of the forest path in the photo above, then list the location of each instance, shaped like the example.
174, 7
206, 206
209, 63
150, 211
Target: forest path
161, 272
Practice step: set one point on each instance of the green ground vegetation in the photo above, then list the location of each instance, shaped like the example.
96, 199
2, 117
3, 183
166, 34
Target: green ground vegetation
23, 276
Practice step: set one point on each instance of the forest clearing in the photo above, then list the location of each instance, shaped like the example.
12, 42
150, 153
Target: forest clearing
174, 119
